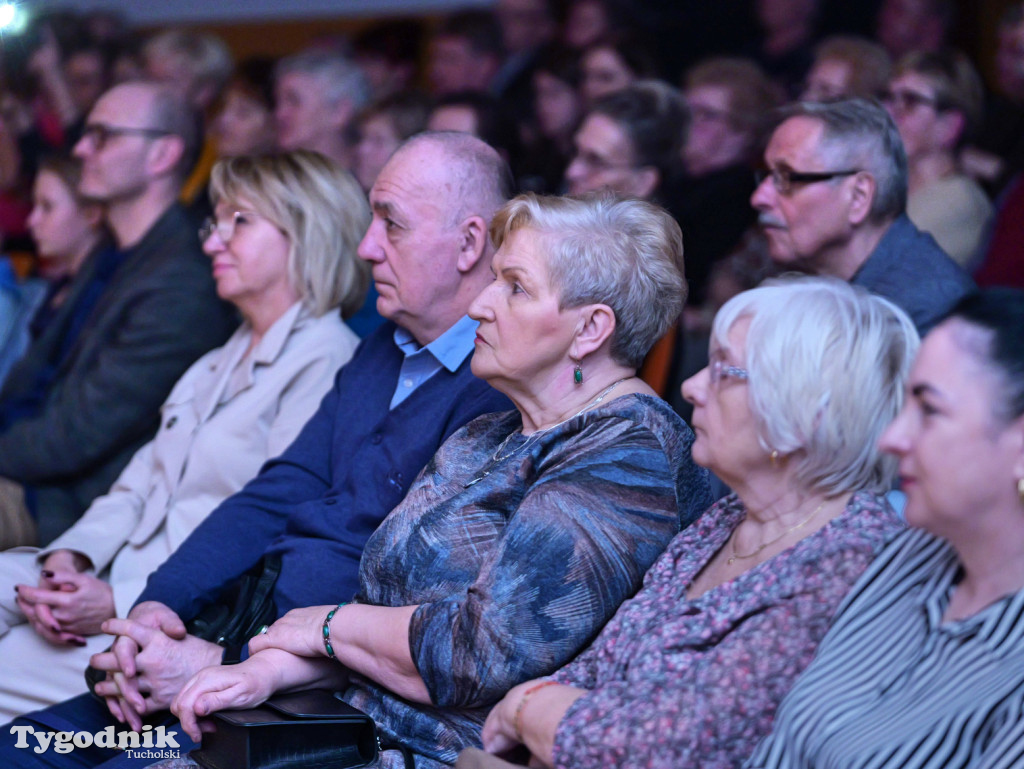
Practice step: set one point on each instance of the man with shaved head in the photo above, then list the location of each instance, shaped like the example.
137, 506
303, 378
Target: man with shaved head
309, 512
144, 308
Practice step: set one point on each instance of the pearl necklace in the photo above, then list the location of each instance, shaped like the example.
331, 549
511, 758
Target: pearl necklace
495, 458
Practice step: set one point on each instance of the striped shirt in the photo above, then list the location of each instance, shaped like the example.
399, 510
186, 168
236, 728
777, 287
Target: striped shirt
893, 685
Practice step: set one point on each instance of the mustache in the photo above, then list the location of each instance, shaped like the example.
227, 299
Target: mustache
764, 219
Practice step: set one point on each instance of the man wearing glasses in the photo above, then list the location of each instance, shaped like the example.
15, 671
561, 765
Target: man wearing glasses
832, 201
138, 313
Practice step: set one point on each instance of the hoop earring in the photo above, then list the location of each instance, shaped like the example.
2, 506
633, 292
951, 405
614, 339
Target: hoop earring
577, 373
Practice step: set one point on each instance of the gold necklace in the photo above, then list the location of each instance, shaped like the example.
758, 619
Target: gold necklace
495, 458
763, 545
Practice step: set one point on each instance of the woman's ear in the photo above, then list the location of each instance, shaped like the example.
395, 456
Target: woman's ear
595, 326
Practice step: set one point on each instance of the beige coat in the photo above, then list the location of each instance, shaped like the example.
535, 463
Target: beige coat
224, 418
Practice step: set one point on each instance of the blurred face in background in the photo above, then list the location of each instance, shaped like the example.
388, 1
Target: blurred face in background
828, 80
377, 140
244, 125
604, 72
556, 104
712, 142
61, 226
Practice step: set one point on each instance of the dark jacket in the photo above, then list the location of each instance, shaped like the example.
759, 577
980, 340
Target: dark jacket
157, 314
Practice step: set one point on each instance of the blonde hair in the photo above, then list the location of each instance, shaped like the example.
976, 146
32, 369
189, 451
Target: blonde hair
600, 248
319, 207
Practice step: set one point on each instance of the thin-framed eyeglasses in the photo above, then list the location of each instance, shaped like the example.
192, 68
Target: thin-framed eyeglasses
101, 133
225, 229
785, 178
904, 100
721, 371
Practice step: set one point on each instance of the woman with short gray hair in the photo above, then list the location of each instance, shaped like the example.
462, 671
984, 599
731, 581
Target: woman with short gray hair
804, 375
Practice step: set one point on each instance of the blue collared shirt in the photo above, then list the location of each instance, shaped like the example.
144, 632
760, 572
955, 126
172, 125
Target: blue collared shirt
448, 350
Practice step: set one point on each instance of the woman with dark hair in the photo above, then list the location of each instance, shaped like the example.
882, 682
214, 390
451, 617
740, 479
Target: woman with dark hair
924, 666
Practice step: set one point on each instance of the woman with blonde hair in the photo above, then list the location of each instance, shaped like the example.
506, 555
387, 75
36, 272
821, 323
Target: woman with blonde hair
282, 247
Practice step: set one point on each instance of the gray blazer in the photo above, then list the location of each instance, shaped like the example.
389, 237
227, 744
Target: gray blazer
158, 313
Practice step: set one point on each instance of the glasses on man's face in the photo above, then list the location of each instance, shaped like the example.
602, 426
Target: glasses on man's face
785, 179
225, 228
903, 100
100, 133
722, 371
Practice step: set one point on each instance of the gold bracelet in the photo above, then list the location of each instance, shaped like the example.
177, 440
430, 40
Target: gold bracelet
522, 702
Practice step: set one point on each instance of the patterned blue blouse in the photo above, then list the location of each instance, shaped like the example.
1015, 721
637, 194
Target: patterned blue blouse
518, 552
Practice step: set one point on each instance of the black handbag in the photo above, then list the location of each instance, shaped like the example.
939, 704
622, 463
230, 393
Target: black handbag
310, 729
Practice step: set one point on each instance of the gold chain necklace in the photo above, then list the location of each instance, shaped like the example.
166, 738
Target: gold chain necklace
763, 545
495, 458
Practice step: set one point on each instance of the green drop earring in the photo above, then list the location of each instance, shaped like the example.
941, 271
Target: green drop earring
577, 373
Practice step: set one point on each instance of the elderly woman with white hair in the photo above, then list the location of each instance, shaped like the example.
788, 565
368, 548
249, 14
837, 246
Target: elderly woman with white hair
528, 528
788, 413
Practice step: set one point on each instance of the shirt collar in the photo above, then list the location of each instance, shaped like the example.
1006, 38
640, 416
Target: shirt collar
450, 349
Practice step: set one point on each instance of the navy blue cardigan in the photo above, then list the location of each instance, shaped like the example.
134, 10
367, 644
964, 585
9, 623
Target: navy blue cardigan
317, 503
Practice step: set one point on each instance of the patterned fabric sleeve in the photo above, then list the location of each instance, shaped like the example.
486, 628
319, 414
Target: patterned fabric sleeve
707, 716
600, 511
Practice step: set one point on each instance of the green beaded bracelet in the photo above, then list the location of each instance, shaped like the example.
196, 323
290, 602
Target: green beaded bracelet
327, 630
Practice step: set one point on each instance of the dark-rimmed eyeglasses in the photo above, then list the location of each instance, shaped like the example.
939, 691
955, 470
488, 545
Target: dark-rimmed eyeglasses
225, 229
903, 100
721, 371
784, 179
100, 133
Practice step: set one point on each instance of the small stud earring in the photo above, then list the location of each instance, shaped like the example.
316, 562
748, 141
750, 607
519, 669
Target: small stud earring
774, 457
577, 373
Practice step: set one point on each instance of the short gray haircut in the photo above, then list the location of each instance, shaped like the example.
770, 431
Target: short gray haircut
205, 55
322, 211
860, 134
340, 77
605, 249
482, 181
170, 111
828, 363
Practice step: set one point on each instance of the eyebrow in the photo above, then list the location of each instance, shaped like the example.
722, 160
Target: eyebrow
924, 389
383, 208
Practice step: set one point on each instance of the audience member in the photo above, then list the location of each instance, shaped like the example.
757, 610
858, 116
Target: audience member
847, 68
388, 53
137, 315
244, 123
735, 607
308, 514
936, 101
904, 26
924, 666
539, 501
788, 29
383, 126
527, 26
589, 21
557, 110
630, 142
833, 202
317, 95
466, 53
282, 244
483, 116
612, 65
730, 102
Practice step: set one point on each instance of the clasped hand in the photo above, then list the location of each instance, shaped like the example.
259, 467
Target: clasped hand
67, 605
149, 663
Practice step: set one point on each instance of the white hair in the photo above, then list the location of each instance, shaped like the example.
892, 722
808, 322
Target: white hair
828, 363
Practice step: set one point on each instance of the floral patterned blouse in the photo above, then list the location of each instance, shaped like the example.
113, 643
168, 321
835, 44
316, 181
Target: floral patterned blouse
676, 682
517, 550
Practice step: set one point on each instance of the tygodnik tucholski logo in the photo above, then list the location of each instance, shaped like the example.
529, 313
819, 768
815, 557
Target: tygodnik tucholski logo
149, 743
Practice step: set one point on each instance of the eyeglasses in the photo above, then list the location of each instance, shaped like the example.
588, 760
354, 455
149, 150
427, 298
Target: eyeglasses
784, 178
225, 229
597, 164
905, 101
721, 371
99, 134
